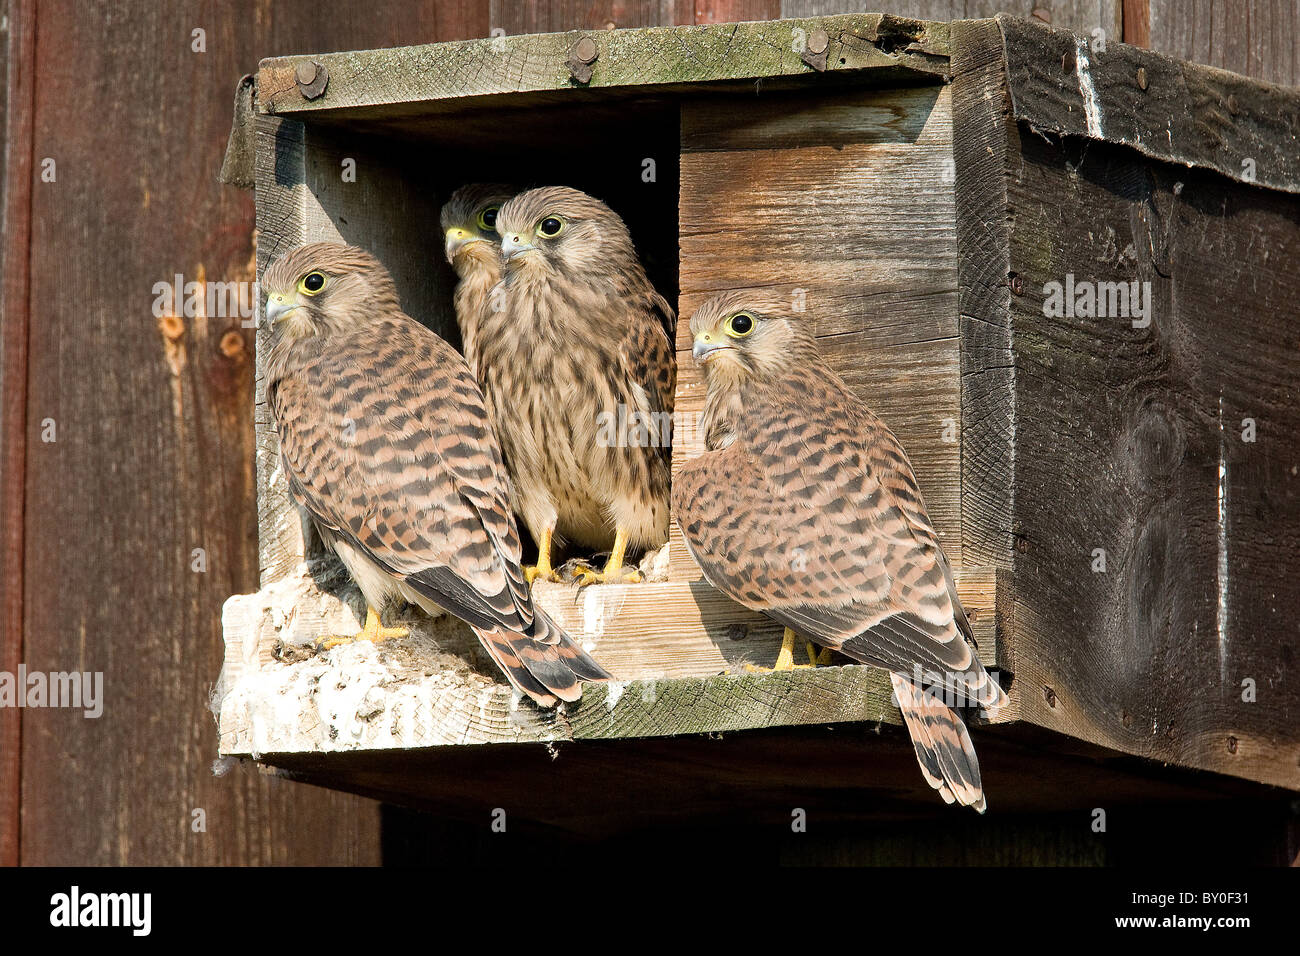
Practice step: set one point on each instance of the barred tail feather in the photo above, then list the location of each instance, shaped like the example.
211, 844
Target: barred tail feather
943, 745
547, 667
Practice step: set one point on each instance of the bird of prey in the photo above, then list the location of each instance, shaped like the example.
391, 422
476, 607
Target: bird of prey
386, 443
578, 373
804, 507
469, 227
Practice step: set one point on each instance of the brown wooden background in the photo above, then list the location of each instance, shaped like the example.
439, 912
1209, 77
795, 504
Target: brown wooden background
154, 450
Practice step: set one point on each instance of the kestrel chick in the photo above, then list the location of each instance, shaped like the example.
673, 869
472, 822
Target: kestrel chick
469, 227
804, 507
386, 443
579, 373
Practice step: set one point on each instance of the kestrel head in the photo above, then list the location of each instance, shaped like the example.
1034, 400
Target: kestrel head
564, 231
750, 334
469, 225
326, 287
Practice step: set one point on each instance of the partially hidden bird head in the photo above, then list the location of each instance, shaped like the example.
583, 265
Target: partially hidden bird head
565, 231
750, 334
326, 287
469, 225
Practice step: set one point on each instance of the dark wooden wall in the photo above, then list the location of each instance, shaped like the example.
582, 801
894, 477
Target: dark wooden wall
154, 421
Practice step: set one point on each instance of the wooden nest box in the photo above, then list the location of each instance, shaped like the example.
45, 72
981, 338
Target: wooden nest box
1066, 277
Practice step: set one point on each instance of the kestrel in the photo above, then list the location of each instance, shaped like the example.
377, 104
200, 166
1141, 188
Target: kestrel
804, 507
469, 227
579, 373
386, 443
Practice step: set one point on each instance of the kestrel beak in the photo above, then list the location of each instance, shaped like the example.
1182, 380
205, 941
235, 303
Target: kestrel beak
706, 346
278, 305
457, 239
514, 244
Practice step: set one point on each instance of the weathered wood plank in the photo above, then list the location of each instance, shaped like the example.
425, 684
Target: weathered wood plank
1139, 421
555, 16
1080, 16
859, 217
982, 130
1259, 38
1172, 111
17, 63
396, 82
154, 450
667, 643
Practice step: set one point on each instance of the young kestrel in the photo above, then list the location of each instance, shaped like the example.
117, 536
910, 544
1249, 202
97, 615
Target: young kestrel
579, 373
386, 443
469, 227
805, 507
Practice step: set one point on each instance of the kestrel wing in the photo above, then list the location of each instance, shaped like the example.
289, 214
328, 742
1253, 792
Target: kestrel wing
648, 362
824, 530
428, 504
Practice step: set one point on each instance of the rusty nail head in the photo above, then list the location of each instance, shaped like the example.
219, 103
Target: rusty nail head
584, 51
1017, 285
818, 41
312, 78
1142, 77
1050, 695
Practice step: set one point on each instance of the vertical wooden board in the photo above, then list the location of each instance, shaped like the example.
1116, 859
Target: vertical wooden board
557, 16
154, 446
17, 59
982, 132
848, 197
1259, 38
735, 11
1136, 15
1081, 16
1129, 440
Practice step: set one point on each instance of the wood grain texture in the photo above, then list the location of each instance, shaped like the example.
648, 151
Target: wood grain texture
1137, 23
418, 80
982, 132
154, 449
1079, 16
556, 16
17, 61
847, 197
1142, 430
1171, 111
1259, 38
668, 644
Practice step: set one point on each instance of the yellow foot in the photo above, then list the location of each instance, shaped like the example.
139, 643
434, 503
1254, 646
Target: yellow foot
619, 575
372, 630
785, 658
540, 570
615, 572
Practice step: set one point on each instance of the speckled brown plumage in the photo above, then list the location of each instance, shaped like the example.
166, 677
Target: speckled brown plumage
804, 506
386, 442
473, 249
576, 361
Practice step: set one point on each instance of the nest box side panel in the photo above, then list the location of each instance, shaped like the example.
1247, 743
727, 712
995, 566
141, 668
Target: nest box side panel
1156, 503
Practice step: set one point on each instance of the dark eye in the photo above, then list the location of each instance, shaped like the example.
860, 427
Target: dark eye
551, 226
487, 219
312, 283
740, 325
